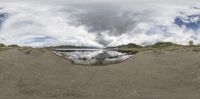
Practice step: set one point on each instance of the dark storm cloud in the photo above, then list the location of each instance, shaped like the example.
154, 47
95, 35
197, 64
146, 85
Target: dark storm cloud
104, 18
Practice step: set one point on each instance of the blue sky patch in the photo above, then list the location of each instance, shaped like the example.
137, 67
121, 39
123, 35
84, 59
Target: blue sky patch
189, 23
3, 16
40, 39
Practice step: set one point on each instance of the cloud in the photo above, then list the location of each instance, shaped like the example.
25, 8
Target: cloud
141, 26
98, 24
26, 24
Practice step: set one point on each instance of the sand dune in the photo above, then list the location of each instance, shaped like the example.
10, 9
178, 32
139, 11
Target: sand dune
40, 74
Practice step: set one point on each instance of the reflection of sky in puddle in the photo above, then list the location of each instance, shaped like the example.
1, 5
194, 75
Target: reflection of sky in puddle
93, 57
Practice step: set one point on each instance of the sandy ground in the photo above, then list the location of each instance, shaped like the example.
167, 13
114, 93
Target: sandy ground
38, 74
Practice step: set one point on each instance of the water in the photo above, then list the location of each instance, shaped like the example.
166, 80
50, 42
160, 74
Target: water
92, 56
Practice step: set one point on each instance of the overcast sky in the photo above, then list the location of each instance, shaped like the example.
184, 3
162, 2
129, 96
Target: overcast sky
100, 22
107, 1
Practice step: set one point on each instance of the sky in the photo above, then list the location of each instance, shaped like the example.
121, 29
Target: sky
99, 23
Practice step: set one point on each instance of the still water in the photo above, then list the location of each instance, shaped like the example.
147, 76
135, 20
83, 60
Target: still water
92, 56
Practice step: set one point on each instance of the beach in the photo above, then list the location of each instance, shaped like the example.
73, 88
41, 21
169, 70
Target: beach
27, 73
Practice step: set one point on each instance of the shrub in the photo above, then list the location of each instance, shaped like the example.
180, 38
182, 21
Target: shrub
2, 45
191, 43
13, 46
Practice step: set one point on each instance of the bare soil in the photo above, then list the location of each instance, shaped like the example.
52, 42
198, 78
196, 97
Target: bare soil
40, 74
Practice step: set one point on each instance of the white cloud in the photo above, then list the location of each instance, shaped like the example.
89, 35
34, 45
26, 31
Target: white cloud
44, 24
26, 23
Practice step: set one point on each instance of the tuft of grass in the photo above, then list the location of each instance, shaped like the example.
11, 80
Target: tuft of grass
196, 49
28, 52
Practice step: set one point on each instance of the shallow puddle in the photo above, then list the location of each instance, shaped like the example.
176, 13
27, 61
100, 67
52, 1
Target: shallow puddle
92, 56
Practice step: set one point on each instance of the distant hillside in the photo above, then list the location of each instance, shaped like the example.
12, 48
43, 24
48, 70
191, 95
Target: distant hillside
163, 44
130, 45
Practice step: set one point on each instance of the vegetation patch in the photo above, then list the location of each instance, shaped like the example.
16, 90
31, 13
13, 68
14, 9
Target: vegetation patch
28, 52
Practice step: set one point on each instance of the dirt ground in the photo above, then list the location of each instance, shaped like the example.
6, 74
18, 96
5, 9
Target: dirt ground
39, 74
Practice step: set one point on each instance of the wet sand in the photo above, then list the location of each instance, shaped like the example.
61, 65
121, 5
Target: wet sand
40, 74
